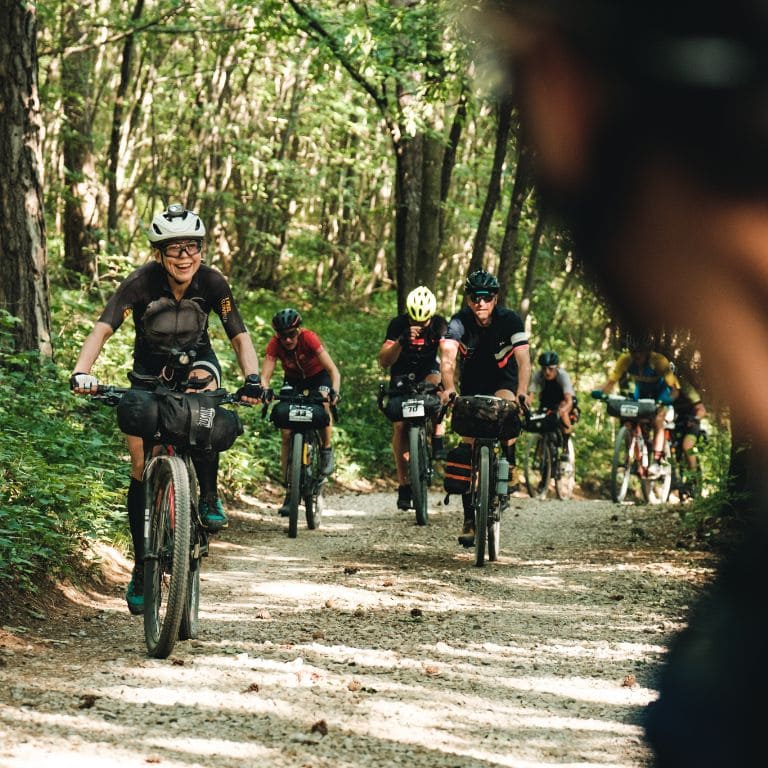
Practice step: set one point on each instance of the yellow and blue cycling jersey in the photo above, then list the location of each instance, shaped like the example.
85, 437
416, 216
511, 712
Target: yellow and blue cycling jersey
653, 379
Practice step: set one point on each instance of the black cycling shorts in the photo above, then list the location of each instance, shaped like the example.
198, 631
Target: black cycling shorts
489, 384
320, 381
205, 361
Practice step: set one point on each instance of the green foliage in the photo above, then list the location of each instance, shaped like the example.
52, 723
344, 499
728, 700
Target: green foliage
60, 483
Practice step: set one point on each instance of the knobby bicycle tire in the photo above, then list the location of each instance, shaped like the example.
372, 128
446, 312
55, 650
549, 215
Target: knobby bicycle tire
313, 500
656, 490
482, 504
417, 469
565, 474
621, 465
538, 466
494, 519
294, 483
166, 559
189, 627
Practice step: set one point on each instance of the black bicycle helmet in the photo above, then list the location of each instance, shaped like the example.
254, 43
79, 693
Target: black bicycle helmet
548, 358
638, 342
481, 281
286, 319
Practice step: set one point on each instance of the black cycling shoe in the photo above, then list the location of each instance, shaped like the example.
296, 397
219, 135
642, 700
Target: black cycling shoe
285, 507
404, 497
467, 535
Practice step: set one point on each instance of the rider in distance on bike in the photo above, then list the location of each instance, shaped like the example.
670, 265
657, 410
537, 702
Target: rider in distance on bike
489, 346
170, 297
306, 366
410, 347
654, 379
555, 392
689, 411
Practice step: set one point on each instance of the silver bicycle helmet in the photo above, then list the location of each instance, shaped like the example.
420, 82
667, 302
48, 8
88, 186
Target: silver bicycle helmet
173, 223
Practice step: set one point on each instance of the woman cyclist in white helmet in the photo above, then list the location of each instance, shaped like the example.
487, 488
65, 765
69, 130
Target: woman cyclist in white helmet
410, 347
175, 290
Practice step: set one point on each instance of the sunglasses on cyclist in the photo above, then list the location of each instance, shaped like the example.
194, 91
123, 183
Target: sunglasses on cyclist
289, 334
477, 298
191, 247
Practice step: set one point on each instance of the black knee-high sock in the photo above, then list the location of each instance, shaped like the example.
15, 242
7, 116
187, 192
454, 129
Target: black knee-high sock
207, 468
511, 454
136, 518
469, 512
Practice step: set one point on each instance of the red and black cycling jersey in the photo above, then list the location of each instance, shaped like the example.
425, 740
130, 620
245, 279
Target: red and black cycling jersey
303, 361
419, 356
209, 289
487, 353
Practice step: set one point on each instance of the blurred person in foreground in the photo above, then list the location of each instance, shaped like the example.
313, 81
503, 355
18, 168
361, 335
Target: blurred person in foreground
649, 125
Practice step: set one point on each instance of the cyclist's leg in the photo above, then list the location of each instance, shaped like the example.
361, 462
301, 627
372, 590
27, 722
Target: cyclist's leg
206, 463
399, 449
321, 383
467, 535
135, 502
511, 453
438, 429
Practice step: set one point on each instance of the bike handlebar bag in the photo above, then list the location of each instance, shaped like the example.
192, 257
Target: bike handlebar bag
138, 413
299, 417
486, 416
400, 407
197, 420
458, 469
542, 422
626, 408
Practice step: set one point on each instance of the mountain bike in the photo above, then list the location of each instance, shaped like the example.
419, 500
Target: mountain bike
545, 459
304, 414
488, 420
633, 447
175, 539
417, 404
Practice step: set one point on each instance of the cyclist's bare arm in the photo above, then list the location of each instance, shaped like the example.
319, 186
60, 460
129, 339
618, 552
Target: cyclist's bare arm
267, 370
449, 350
330, 366
91, 350
389, 353
246, 353
523, 359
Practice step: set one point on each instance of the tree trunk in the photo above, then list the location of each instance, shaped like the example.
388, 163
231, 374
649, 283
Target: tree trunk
408, 176
509, 257
113, 155
449, 159
503, 126
81, 196
24, 283
429, 225
530, 270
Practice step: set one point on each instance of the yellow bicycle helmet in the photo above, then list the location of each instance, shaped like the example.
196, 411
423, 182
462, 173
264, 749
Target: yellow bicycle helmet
421, 304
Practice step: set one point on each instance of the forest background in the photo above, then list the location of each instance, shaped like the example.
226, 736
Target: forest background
340, 153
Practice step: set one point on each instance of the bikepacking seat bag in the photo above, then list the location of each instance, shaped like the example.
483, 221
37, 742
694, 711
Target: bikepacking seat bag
458, 469
542, 422
401, 407
173, 326
626, 408
299, 416
486, 416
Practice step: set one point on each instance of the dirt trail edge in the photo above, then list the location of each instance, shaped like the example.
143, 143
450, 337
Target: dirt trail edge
371, 642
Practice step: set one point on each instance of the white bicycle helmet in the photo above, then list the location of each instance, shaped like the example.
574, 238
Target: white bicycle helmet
421, 304
173, 223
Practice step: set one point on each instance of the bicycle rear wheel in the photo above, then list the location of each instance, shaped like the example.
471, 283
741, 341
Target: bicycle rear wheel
656, 489
417, 469
538, 466
482, 503
294, 483
166, 558
565, 473
313, 500
621, 466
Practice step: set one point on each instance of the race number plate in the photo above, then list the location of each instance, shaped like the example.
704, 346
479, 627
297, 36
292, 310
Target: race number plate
413, 409
630, 410
300, 413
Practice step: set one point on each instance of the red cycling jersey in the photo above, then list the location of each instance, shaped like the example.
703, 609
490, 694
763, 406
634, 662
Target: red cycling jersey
303, 361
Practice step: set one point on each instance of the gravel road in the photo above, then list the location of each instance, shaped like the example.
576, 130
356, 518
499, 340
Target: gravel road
368, 642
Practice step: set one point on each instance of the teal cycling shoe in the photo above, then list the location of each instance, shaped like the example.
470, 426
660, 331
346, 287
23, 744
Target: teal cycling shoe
134, 595
212, 513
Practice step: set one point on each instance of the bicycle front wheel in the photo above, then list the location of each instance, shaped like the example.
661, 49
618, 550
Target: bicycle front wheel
565, 473
656, 489
294, 483
482, 503
166, 554
313, 500
417, 468
621, 466
538, 466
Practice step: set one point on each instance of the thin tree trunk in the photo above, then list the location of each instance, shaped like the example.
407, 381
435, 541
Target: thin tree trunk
449, 159
503, 126
429, 225
530, 270
509, 257
113, 154
23, 261
407, 214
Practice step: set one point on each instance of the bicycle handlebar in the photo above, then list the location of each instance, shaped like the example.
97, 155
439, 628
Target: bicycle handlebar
314, 397
111, 395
